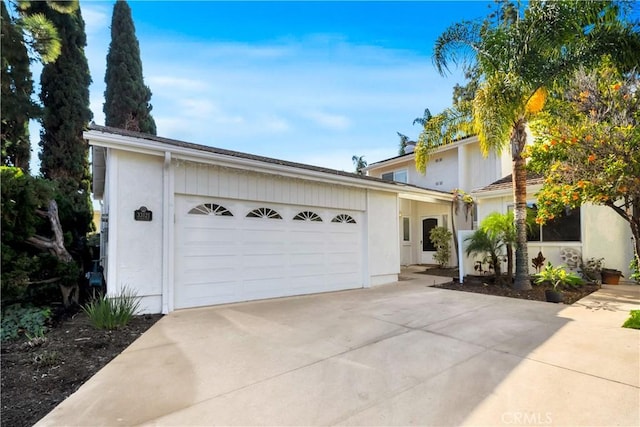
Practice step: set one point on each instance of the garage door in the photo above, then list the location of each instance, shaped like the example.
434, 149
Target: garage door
230, 251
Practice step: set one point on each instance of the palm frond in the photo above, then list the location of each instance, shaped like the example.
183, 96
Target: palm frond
459, 44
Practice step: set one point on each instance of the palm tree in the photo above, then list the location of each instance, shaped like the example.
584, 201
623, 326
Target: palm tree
518, 57
486, 244
360, 163
502, 227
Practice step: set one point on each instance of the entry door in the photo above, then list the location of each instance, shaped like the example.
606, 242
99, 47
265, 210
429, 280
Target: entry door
428, 248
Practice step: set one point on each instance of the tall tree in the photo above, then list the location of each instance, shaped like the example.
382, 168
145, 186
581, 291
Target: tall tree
126, 96
65, 98
17, 87
589, 150
518, 58
359, 163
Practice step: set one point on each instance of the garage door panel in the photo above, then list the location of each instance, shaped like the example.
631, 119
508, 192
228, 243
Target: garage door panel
204, 262
221, 259
306, 259
264, 288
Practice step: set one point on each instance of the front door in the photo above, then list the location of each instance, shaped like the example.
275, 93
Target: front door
428, 248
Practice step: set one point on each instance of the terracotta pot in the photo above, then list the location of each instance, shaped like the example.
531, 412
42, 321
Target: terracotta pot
553, 296
611, 277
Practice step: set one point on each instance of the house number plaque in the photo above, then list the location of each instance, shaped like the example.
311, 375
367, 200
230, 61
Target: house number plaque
142, 214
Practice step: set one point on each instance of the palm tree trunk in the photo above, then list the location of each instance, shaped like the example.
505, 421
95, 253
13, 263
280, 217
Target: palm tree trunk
510, 263
518, 141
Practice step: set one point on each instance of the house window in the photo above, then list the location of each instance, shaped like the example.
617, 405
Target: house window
264, 213
563, 228
210, 209
406, 229
344, 218
397, 176
307, 216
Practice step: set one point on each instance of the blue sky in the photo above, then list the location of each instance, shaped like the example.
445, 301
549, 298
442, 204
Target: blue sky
313, 82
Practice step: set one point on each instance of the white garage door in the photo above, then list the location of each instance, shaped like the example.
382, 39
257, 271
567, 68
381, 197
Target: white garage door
229, 251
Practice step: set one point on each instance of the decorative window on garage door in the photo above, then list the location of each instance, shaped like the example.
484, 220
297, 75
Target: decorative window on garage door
307, 216
210, 209
344, 218
264, 213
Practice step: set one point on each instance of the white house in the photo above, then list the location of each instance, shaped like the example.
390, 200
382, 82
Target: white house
588, 232
187, 225
591, 231
460, 165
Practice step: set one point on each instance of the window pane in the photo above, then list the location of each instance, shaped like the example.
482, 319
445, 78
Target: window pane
406, 231
387, 176
564, 228
400, 176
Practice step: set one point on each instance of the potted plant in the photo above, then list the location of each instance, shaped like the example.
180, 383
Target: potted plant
611, 276
559, 279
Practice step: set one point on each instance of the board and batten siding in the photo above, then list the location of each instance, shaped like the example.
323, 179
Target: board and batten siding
228, 183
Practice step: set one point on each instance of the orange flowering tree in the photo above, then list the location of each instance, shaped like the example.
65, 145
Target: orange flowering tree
588, 147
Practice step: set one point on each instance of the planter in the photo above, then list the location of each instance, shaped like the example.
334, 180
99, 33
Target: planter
553, 296
611, 277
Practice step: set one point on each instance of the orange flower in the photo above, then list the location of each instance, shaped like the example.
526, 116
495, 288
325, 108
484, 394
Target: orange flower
592, 158
575, 196
536, 102
553, 142
616, 86
588, 138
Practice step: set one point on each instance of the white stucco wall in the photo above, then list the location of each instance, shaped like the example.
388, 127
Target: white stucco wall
135, 247
383, 255
604, 235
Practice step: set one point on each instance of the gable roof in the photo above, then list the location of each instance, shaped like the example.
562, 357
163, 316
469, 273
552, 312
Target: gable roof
102, 136
506, 183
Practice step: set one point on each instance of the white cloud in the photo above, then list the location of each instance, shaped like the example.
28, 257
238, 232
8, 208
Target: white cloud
176, 83
96, 17
329, 121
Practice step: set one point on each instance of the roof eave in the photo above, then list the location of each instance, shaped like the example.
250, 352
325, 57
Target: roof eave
99, 138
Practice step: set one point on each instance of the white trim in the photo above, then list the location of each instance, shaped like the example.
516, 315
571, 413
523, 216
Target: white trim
167, 241
366, 275
143, 146
112, 244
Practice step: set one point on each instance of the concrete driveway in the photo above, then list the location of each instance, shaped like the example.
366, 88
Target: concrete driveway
394, 355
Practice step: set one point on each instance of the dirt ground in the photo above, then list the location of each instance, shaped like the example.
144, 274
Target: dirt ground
485, 285
37, 375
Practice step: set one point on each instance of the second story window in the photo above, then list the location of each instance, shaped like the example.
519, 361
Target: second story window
398, 176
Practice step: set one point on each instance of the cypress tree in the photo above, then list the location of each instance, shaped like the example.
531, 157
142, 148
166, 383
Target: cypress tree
126, 96
65, 98
17, 87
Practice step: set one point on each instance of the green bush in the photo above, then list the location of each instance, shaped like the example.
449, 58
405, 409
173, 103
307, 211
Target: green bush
441, 239
113, 312
17, 320
633, 321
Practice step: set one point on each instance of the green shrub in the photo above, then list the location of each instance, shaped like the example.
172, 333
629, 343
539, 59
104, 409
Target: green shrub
113, 312
17, 320
441, 239
558, 277
633, 321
